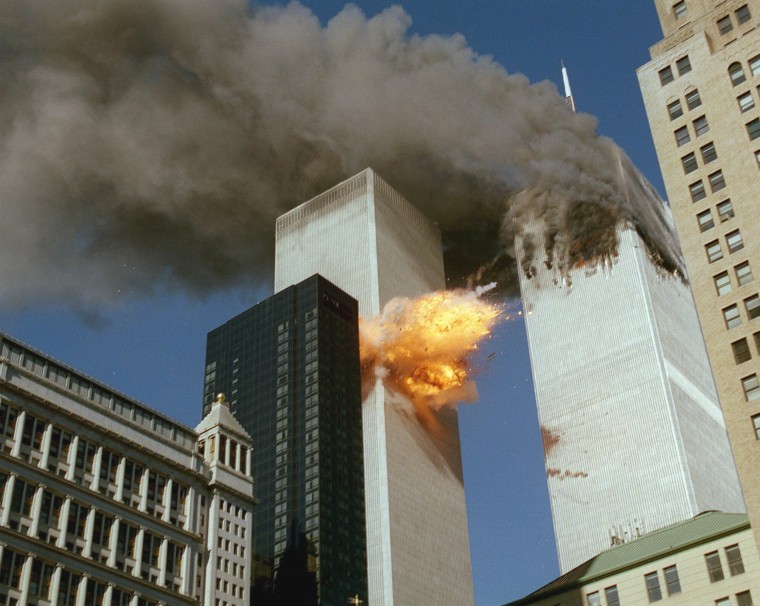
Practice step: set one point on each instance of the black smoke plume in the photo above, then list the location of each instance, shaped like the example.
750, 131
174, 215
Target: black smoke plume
147, 142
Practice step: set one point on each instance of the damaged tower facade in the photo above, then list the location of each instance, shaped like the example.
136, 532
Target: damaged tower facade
367, 239
701, 94
633, 433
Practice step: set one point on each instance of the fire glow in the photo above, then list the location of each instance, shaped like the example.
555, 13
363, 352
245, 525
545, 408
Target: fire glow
422, 348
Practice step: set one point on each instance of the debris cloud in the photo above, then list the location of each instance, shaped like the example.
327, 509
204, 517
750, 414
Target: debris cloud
422, 348
154, 142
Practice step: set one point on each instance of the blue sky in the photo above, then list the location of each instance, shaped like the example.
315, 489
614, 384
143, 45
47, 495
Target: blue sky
152, 348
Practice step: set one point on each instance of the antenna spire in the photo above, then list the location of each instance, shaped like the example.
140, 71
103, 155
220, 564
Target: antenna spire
568, 91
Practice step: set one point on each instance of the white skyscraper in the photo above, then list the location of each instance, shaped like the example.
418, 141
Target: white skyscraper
369, 241
633, 433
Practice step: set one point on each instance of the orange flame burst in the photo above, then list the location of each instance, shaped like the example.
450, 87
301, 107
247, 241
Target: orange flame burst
421, 348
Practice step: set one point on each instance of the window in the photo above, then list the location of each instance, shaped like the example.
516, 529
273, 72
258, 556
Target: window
708, 153
757, 341
680, 10
717, 182
736, 73
666, 75
725, 25
731, 316
676, 111
701, 126
689, 162
722, 283
734, 557
734, 241
753, 306
753, 129
751, 389
744, 598
757, 157
682, 136
672, 581
693, 99
741, 352
746, 102
697, 191
714, 253
754, 65
705, 220
683, 65
742, 14
725, 211
756, 427
723, 602
594, 599
611, 595
744, 273
714, 568
653, 586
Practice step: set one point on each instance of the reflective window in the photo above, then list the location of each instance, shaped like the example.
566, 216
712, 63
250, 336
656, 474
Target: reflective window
683, 65
722, 283
714, 567
744, 273
713, 250
736, 73
693, 99
701, 126
725, 210
746, 102
705, 220
689, 162
725, 25
731, 316
653, 586
666, 75
751, 389
742, 354
675, 110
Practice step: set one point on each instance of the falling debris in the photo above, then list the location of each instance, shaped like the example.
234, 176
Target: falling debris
422, 348
154, 142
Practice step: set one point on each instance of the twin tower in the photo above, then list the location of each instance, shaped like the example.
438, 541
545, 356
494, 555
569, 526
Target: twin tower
633, 431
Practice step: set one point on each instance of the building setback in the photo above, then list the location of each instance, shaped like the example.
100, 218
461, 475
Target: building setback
105, 501
702, 100
633, 434
368, 240
290, 365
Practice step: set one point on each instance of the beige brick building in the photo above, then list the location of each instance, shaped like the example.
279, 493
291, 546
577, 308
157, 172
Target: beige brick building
710, 559
701, 90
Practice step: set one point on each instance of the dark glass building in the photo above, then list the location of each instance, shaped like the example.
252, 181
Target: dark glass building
289, 367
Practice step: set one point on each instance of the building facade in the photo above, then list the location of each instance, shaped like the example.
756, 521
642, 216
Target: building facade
290, 365
105, 501
633, 434
702, 100
368, 240
710, 559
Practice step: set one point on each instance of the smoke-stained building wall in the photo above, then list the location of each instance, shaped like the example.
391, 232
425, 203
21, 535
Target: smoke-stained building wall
366, 238
290, 365
633, 432
702, 100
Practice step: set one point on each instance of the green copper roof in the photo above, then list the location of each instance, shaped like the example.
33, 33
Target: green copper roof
700, 529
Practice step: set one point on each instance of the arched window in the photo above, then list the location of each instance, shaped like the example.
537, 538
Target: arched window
736, 73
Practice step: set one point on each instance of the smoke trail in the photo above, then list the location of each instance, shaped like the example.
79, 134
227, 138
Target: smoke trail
147, 142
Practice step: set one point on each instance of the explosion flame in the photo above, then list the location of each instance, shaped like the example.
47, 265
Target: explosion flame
422, 348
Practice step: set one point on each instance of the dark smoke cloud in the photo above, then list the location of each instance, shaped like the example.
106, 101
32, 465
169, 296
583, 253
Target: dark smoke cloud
147, 142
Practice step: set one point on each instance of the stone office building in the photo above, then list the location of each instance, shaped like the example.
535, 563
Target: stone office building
104, 501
